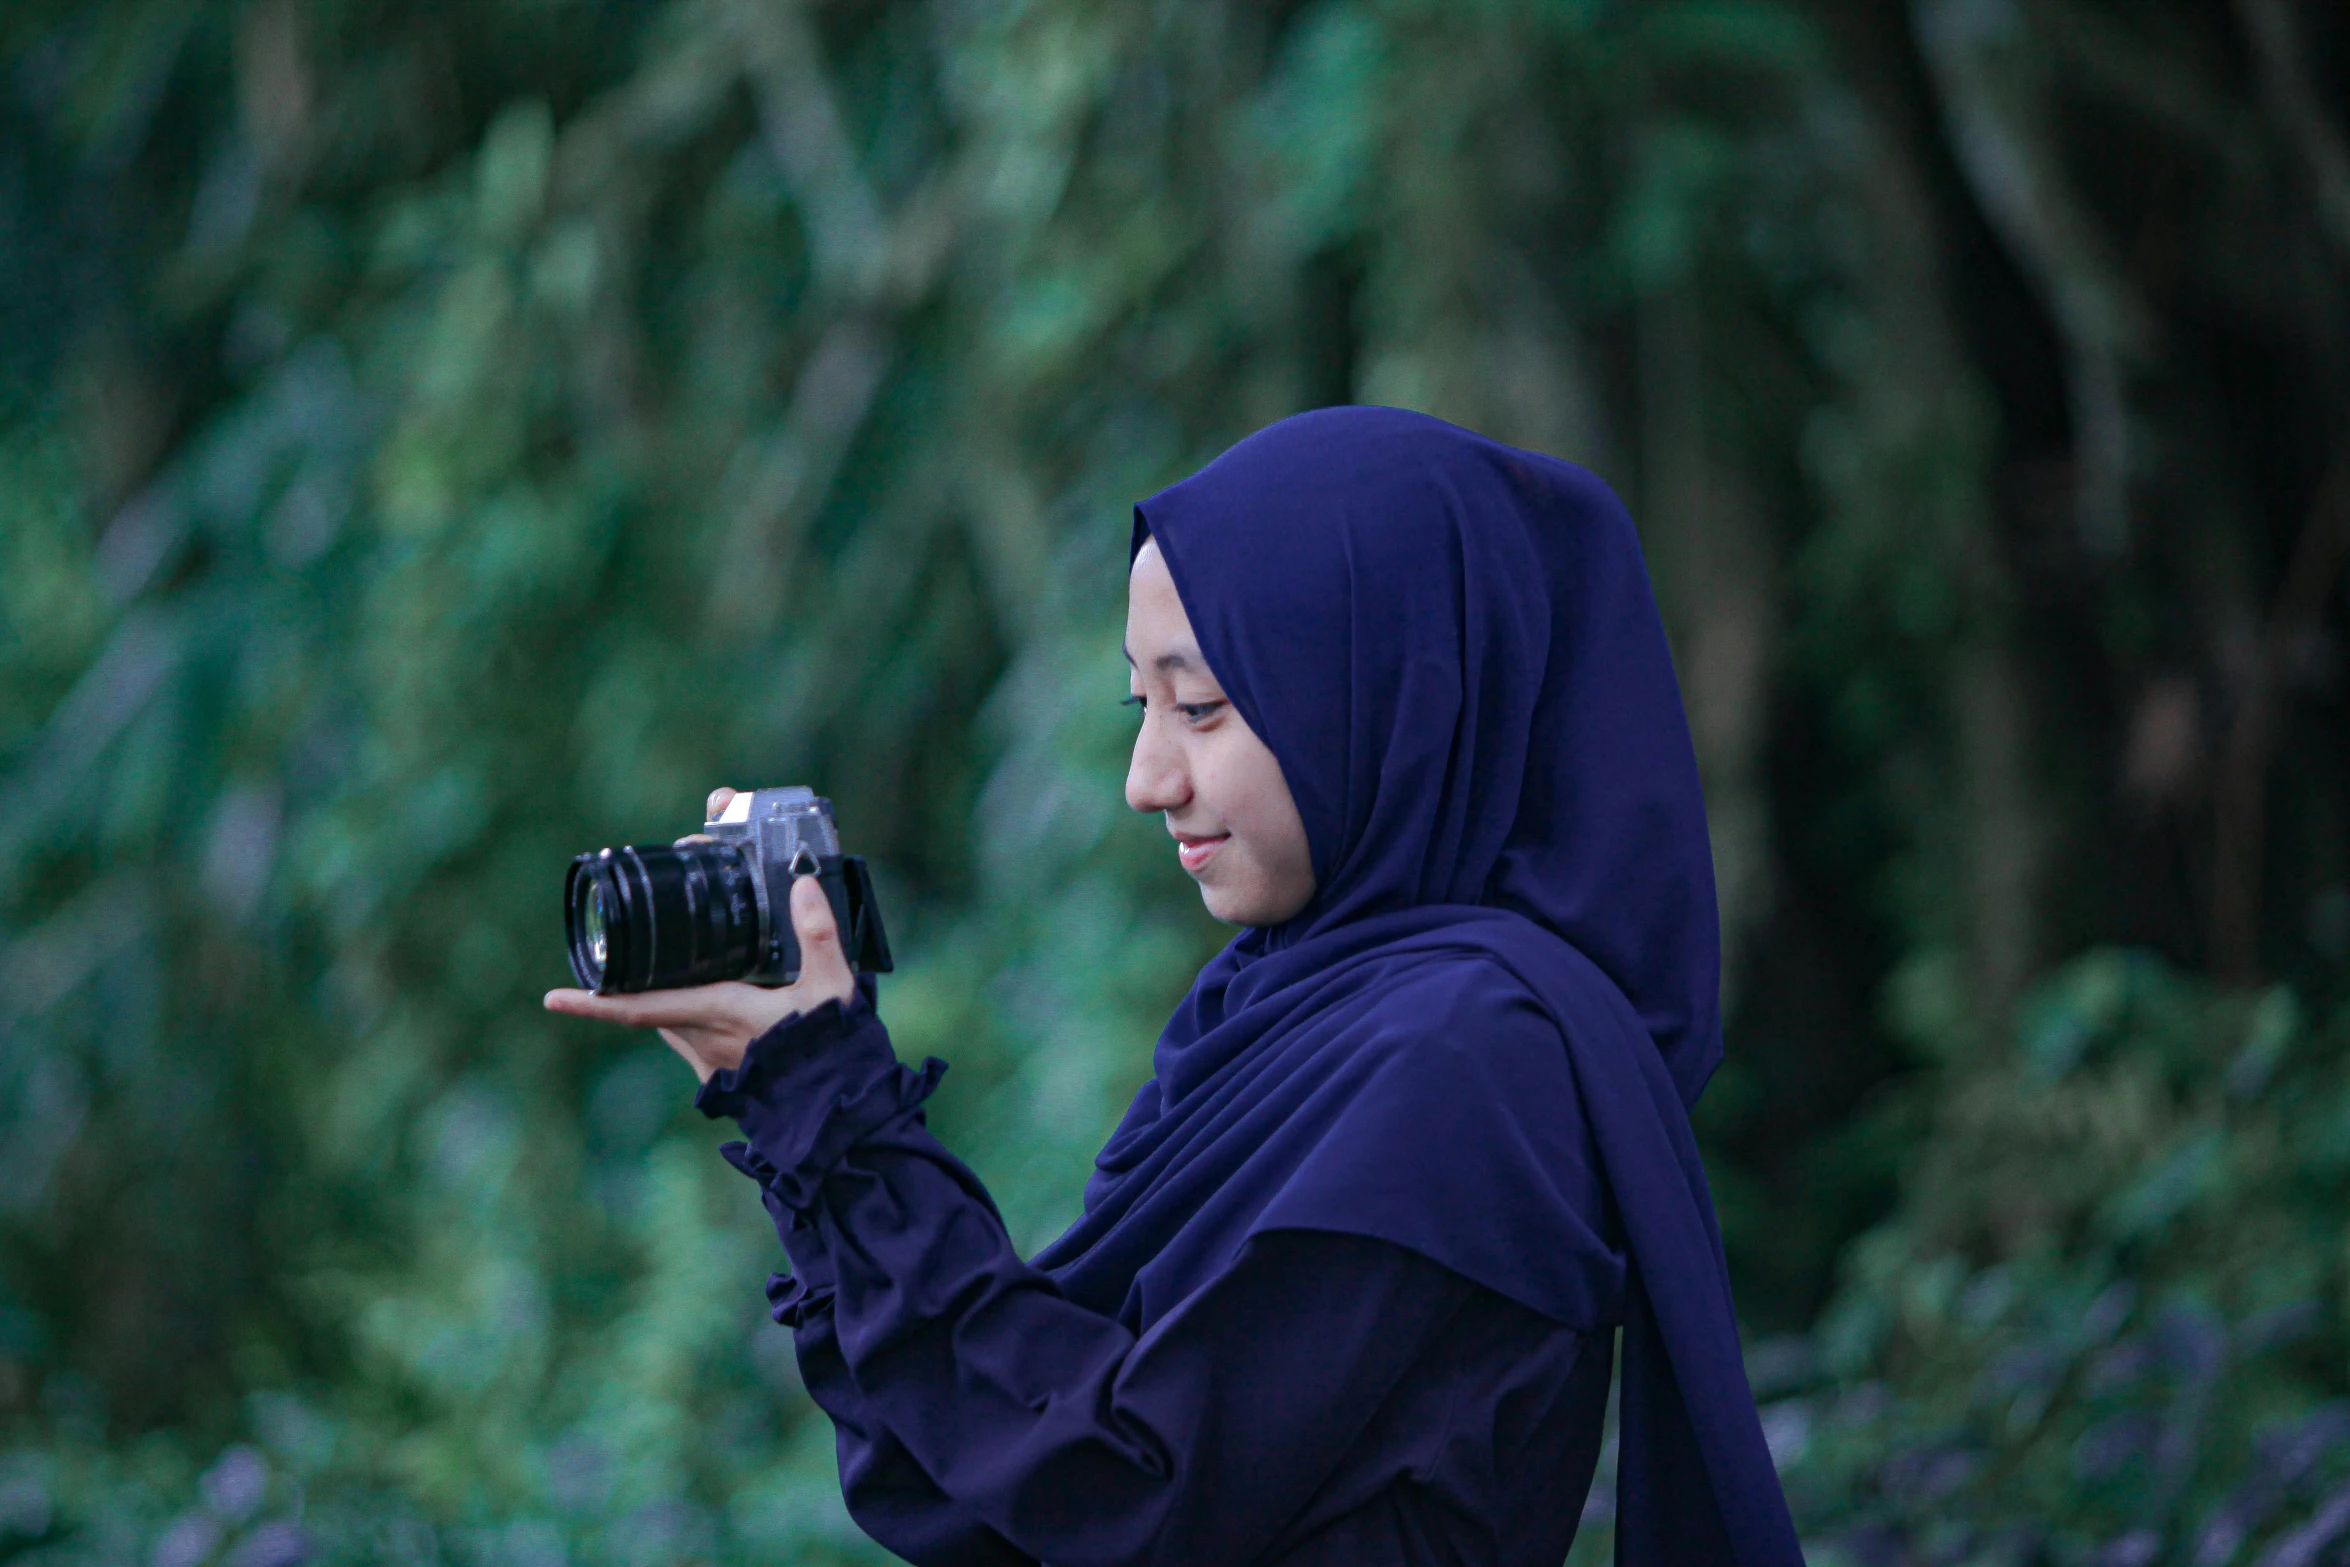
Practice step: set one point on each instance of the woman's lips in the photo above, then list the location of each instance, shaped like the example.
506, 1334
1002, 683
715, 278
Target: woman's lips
1196, 852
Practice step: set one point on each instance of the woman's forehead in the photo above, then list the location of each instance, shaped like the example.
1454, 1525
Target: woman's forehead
1153, 608
1159, 639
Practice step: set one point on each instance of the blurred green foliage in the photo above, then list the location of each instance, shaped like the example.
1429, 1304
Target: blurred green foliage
434, 440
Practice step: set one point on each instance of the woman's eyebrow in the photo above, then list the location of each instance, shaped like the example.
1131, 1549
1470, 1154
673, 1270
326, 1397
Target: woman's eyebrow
1166, 661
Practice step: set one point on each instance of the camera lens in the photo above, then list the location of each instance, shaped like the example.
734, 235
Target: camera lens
592, 927
661, 917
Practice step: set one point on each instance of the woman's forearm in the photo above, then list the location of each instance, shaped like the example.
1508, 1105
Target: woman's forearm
981, 1411
891, 1496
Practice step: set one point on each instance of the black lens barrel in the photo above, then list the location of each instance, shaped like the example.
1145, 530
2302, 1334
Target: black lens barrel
674, 915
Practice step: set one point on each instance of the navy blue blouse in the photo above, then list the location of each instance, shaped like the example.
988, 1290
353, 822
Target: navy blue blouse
1329, 1398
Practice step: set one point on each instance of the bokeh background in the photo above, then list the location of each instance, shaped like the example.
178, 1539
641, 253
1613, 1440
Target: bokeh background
436, 439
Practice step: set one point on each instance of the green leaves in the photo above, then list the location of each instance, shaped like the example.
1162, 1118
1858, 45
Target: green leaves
2102, 1303
456, 437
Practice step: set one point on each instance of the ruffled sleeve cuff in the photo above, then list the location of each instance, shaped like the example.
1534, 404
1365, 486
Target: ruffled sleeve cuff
810, 1089
792, 1297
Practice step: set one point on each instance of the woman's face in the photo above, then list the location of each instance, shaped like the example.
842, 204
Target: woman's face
1198, 764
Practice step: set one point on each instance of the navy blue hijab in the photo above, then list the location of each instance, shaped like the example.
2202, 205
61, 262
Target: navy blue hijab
1481, 1038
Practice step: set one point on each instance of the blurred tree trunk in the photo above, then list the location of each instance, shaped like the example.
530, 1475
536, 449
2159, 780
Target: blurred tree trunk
1715, 555
1930, 426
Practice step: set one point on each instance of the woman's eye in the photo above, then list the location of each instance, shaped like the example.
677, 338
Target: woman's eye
1194, 713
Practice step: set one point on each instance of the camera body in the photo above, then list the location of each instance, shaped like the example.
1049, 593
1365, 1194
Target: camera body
785, 834
718, 907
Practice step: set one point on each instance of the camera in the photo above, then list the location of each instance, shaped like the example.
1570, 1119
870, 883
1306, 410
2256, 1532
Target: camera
662, 917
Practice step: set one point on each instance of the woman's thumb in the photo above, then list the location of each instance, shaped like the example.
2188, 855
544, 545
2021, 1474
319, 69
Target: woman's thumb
812, 921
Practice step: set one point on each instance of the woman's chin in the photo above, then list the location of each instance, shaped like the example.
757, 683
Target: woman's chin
1248, 905
1232, 905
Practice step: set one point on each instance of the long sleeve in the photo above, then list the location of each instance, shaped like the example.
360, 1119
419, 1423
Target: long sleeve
985, 1418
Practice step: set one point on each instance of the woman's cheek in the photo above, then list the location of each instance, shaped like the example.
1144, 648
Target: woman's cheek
1251, 809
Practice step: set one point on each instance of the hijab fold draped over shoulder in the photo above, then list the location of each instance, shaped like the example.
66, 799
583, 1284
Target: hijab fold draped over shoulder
1482, 1037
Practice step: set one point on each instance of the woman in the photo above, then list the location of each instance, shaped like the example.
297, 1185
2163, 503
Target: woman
1349, 1275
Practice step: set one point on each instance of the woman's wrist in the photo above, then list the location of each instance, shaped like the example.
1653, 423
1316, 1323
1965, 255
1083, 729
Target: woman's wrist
811, 1090
799, 1067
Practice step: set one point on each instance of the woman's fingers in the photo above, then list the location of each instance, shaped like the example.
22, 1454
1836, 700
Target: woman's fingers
719, 799
714, 1007
711, 1026
604, 1009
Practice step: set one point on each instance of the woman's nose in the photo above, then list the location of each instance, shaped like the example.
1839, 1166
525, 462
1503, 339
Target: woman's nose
1155, 779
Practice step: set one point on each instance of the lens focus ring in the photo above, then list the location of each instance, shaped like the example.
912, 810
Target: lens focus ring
667, 916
